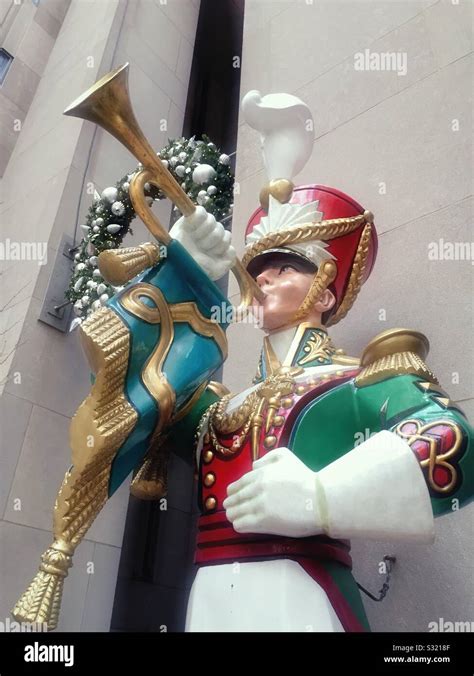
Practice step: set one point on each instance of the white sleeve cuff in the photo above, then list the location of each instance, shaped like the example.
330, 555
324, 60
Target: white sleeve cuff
377, 491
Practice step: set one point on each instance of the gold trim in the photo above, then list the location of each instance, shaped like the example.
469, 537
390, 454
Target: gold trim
218, 388
393, 341
394, 365
326, 274
249, 414
433, 459
355, 279
98, 429
151, 480
152, 374
279, 188
189, 312
322, 230
180, 312
272, 363
342, 359
297, 338
317, 347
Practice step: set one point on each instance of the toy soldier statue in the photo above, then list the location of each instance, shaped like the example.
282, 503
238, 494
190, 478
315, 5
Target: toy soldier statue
283, 484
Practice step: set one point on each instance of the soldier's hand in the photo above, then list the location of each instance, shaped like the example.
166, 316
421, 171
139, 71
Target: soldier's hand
206, 241
279, 496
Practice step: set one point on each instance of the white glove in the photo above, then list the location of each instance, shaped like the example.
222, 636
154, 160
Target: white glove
376, 490
206, 241
278, 496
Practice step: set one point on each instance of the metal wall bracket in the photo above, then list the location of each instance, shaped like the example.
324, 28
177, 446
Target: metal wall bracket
57, 310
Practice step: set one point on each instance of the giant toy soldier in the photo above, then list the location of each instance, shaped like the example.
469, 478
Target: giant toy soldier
283, 483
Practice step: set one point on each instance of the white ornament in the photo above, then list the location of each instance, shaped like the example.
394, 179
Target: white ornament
80, 267
202, 197
165, 163
96, 305
101, 288
97, 274
212, 190
147, 187
203, 173
85, 299
180, 170
224, 159
93, 260
96, 228
99, 221
182, 157
118, 208
85, 228
77, 257
78, 284
188, 170
211, 146
104, 298
126, 185
114, 227
173, 161
78, 307
110, 194
91, 284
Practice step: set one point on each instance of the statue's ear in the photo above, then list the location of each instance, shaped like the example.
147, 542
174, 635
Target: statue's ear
325, 302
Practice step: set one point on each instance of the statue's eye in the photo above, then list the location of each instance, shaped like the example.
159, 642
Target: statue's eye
286, 267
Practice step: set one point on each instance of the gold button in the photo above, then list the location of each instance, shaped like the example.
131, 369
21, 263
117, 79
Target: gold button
287, 402
209, 479
339, 373
210, 503
300, 389
270, 441
207, 456
278, 421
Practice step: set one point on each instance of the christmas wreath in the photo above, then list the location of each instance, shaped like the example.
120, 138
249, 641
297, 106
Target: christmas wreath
202, 171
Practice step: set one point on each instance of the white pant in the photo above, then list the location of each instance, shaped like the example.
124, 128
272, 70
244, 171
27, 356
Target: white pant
275, 595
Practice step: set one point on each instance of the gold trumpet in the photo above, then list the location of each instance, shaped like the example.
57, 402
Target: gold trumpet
107, 103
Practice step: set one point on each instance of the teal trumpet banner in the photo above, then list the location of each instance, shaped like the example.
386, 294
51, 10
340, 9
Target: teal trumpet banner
191, 360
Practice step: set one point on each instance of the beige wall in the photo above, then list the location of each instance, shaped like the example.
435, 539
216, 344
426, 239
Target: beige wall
371, 128
53, 160
28, 33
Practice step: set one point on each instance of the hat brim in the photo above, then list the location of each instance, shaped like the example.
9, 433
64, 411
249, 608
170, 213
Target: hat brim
259, 260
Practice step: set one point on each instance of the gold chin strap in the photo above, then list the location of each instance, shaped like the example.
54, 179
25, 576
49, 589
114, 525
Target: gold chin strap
325, 275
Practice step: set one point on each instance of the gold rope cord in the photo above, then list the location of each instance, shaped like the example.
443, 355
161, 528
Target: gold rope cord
323, 230
355, 279
322, 279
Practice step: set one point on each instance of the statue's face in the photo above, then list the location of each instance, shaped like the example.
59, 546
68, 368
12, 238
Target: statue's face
285, 279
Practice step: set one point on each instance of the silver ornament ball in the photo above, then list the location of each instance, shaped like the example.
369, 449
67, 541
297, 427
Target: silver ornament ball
109, 194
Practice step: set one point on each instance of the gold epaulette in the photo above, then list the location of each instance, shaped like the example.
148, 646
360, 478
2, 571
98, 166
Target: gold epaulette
392, 353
